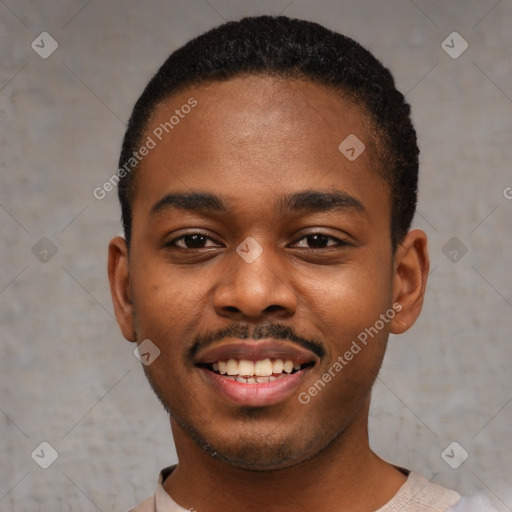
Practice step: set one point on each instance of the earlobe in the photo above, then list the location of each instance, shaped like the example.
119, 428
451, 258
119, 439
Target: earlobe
119, 279
411, 267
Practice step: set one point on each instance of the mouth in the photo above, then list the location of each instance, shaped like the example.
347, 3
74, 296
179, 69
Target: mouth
257, 373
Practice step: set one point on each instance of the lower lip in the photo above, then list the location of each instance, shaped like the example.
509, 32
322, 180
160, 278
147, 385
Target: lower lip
255, 395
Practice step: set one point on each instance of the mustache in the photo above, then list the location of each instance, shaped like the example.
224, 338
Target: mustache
242, 331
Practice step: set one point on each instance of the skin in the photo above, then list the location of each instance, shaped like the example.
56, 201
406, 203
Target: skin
251, 141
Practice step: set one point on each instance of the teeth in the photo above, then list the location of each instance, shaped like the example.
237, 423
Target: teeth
232, 367
246, 368
256, 379
277, 366
288, 366
264, 370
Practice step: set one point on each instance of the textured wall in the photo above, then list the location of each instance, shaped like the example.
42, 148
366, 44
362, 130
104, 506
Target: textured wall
67, 376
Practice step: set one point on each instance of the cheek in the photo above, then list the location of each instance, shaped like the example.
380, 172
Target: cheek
347, 300
166, 306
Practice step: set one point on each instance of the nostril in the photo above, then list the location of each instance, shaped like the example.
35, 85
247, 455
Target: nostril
271, 309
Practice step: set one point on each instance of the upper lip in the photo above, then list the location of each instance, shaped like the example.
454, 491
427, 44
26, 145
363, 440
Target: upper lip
256, 350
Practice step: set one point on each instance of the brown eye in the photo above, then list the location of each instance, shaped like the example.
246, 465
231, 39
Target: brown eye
192, 241
319, 241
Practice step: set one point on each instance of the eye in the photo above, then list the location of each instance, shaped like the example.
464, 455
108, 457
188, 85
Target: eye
319, 241
192, 241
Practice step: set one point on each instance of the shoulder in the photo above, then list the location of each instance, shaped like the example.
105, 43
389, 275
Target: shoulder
473, 504
428, 493
160, 500
146, 506
419, 494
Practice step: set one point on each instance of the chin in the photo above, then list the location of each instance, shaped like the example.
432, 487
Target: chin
257, 449
255, 457
252, 439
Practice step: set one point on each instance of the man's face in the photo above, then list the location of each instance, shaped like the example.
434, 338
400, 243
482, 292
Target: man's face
267, 149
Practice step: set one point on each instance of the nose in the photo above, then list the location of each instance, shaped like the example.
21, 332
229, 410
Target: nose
255, 288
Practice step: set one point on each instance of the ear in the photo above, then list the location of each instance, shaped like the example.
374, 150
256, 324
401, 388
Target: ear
119, 278
411, 267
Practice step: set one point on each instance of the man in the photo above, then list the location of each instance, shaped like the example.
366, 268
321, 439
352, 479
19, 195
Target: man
268, 180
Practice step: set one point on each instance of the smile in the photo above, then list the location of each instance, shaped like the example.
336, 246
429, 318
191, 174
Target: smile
255, 373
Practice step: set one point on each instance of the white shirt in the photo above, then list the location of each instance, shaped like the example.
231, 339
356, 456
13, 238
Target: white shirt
417, 494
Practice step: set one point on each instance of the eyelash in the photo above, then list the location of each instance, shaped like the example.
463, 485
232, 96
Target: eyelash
339, 242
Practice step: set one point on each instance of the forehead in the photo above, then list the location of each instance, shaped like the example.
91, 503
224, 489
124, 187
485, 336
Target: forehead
258, 135
261, 111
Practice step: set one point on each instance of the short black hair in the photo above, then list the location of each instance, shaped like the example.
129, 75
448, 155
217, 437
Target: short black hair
285, 47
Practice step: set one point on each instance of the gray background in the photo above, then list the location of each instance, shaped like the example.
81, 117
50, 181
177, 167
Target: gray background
67, 375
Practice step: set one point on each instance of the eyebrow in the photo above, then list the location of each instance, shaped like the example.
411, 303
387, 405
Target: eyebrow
193, 202
315, 201
308, 201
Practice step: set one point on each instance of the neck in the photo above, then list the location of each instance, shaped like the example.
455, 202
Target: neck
346, 472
